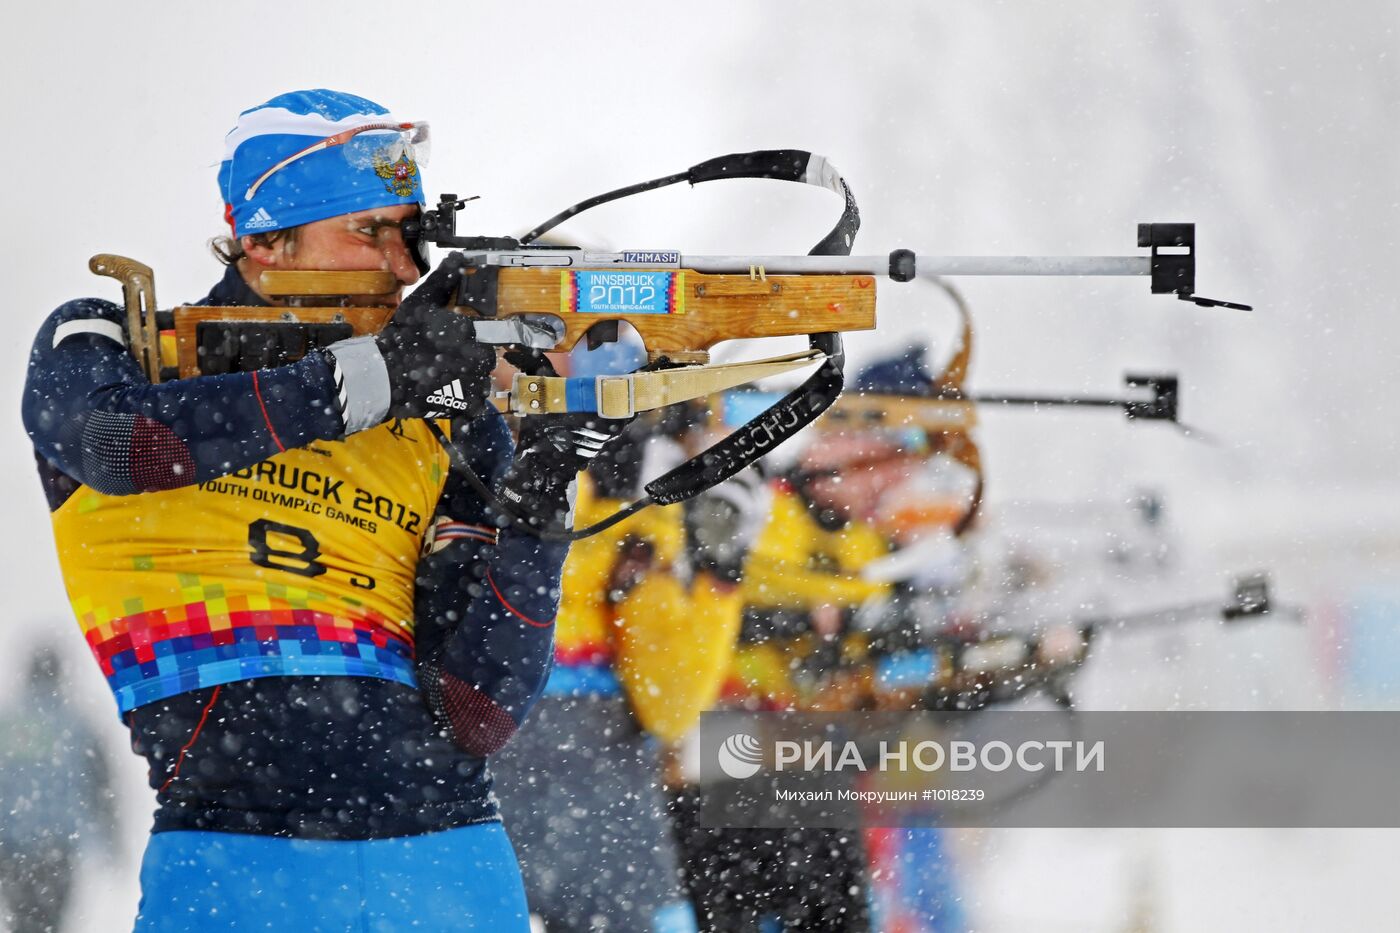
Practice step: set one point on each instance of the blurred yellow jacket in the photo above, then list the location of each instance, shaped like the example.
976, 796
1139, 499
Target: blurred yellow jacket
666, 644
797, 564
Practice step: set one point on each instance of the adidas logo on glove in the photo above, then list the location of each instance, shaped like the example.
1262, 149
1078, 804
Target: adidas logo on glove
449, 396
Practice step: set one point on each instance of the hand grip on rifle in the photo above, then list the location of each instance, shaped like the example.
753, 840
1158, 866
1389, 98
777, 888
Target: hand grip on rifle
436, 366
553, 450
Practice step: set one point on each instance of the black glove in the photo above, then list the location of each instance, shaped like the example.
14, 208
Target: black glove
539, 485
617, 471
723, 522
436, 367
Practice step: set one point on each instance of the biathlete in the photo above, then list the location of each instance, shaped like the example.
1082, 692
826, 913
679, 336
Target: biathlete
315, 633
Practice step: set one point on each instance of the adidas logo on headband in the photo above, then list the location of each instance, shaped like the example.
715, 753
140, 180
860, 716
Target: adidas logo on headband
260, 220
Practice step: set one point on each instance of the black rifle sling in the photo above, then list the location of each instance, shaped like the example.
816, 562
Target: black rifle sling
802, 405
781, 164
760, 435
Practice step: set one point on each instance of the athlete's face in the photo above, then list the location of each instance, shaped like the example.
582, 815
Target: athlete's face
365, 241
858, 467
856, 490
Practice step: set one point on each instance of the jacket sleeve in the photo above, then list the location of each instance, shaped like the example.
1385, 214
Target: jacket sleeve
484, 607
92, 413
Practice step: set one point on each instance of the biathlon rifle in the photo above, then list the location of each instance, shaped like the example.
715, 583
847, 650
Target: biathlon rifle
979, 667
534, 298
904, 654
984, 665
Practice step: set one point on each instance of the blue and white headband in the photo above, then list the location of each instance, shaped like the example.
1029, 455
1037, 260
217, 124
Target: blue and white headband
292, 161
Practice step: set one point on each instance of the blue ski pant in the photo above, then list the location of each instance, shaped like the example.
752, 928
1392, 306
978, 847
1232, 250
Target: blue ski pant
459, 879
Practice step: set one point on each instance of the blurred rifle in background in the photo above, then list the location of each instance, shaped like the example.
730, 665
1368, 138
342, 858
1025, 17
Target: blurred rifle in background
906, 653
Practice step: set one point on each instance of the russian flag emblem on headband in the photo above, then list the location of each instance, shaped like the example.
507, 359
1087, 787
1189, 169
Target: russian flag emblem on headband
270, 181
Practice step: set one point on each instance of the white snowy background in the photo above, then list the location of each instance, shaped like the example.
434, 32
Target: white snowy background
964, 128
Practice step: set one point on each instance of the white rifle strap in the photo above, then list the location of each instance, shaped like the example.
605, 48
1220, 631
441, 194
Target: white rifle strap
624, 396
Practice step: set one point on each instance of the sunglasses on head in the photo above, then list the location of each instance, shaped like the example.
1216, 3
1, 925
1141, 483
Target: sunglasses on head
364, 147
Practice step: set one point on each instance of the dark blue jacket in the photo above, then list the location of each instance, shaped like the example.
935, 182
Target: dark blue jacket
324, 756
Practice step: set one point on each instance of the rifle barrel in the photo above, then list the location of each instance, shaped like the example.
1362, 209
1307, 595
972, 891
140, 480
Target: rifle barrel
1170, 615
928, 266
1065, 401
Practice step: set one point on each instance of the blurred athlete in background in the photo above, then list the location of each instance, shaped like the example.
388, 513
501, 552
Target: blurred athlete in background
645, 632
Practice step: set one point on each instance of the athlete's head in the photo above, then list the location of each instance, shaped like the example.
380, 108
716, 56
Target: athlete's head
321, 180
849, 466
904, 373
841, 474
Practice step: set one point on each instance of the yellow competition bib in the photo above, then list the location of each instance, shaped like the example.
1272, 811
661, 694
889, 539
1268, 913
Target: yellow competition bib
300, 565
